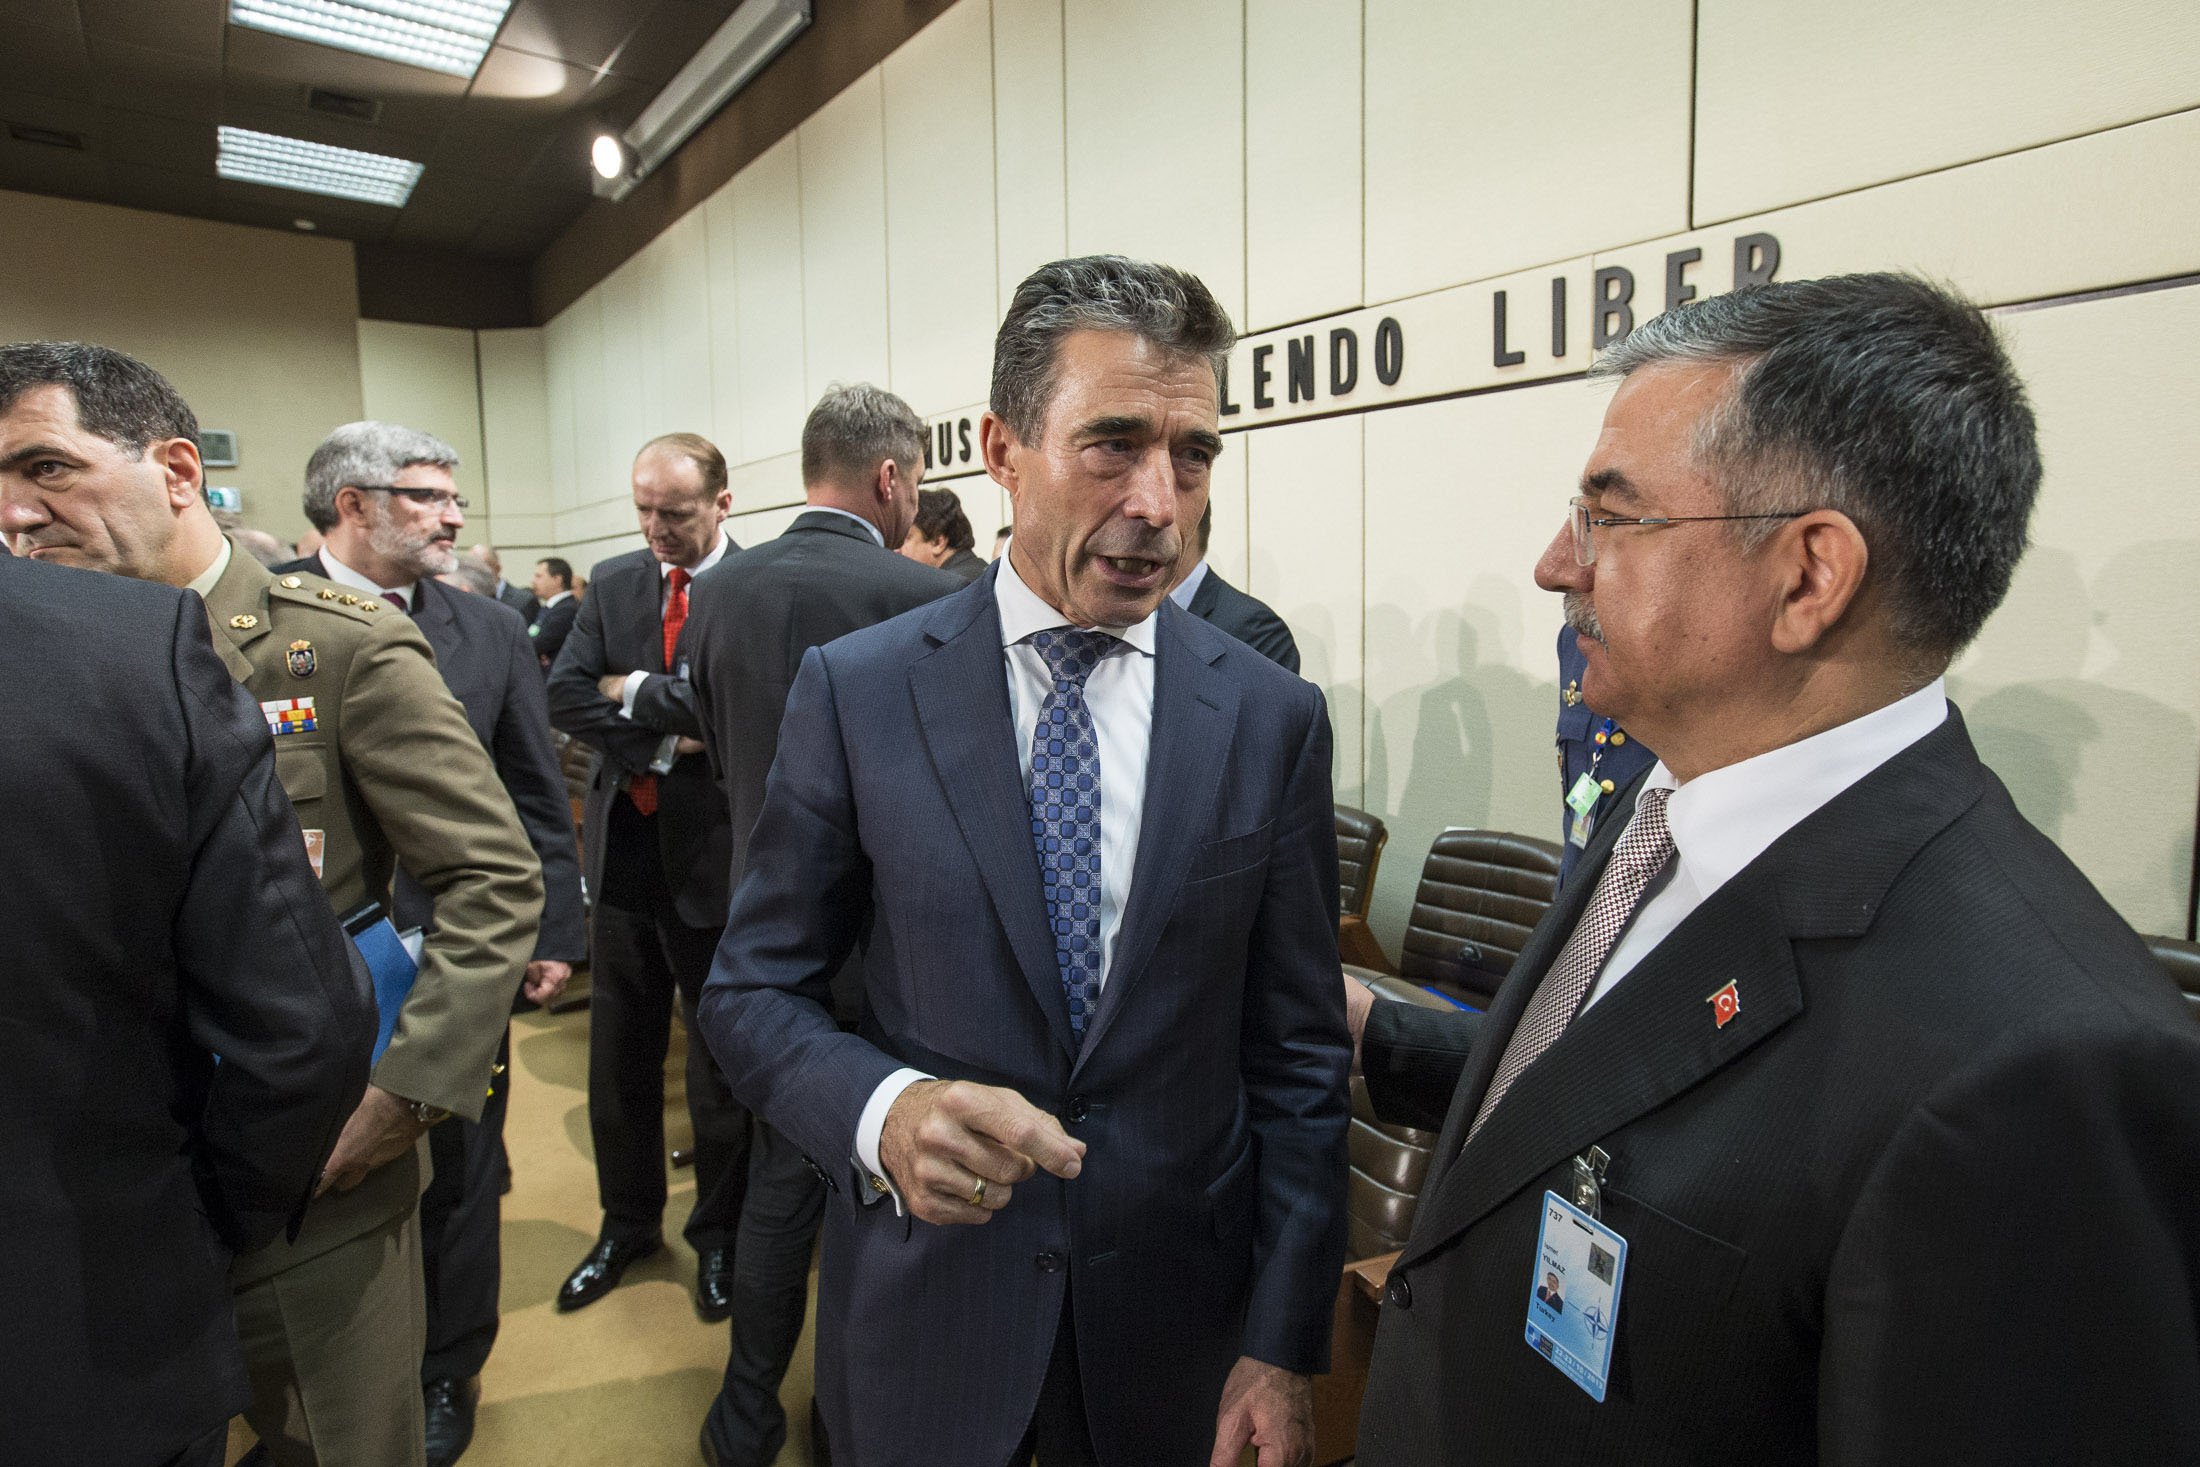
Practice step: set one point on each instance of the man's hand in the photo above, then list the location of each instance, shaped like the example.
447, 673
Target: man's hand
686, 745
546, 979
613, 686
942, 1137
1359, 1002
1269, 1408
381, 1130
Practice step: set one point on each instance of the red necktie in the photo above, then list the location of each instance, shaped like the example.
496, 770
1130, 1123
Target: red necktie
642, 788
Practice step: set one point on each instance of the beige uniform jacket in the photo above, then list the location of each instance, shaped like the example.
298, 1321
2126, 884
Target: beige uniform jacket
383, 764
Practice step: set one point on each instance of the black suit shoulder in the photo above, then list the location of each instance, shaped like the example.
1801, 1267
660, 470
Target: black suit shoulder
1247, 618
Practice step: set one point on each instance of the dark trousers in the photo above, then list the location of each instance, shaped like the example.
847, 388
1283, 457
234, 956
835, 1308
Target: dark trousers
771, 1275
1060, 1435
208, 1451
459, 1217
642, 962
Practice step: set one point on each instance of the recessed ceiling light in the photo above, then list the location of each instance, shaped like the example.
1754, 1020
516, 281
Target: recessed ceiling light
449, 36
609, 156
314, 168
306, 224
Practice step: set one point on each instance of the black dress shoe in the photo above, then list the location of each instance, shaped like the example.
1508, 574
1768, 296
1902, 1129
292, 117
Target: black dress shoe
600, 1271
450, 1406
714, 1284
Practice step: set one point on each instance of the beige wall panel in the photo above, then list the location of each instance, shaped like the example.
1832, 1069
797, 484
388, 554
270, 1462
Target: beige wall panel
560, 353
515, 428
586, 555
844, 306
2084, 690
1156, 132
767, 233
1461, 678
1029, 147
722, 282
939, 216
1492, 144
604, 519
424, 378
766, 483
630, 361
602, 474
760, 525
1302, 160
1795, 102
1305, 561
680, 373
257, 329
2120, 210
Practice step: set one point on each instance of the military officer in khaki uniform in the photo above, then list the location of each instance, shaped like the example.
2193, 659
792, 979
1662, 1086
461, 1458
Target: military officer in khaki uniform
99, 468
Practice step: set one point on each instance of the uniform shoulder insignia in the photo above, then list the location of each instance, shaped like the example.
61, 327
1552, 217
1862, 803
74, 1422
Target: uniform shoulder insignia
348, 599
292, 583
370, 606
244, 621
327, 595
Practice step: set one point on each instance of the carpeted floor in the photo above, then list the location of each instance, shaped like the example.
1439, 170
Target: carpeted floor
627, 1380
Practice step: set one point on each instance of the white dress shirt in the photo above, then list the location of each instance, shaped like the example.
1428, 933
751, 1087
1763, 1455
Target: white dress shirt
1724, 820
1119, 694
1189, 588
668, 746
344, 575
554, 600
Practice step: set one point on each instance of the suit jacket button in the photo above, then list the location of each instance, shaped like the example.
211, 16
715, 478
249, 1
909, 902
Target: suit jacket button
1049, 1261
1400, 1293
1076, 1110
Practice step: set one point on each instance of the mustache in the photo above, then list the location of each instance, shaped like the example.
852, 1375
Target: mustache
1163, 546
1581, 617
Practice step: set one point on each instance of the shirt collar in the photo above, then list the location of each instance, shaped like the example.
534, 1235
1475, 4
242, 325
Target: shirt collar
717, 553
868, 528
205, 581
344, 575
1023, 612
554, 600
1726, 819
1184, 593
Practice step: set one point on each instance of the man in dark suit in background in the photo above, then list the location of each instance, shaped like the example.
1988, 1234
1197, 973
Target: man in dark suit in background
132, 1164
1126, 815
751, 620
557, 606
1212, 599
655, 830
1590, 747
521, 599
1892, 1110
393, 545
942, 536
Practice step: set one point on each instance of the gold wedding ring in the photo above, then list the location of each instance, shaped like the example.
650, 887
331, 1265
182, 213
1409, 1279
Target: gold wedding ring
977, 1195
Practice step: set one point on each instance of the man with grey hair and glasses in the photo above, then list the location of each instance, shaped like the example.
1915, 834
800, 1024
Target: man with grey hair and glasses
1856, 1126
1086, 1152
751, 619
390, 499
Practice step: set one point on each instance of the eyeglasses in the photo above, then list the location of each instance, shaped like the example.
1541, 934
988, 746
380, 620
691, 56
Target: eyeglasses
1585, 545
438, 498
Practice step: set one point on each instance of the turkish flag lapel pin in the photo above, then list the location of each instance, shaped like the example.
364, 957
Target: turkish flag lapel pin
1725, 1004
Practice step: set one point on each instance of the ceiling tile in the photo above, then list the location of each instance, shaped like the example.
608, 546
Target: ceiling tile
145, 141
57, 113
582, 32
302, 63
504, 151
158, 188
171, 84
254, 203
522, 228
47, 61
188, 27
446, 208
663, 44
33, 169
413, 117
316, 127
514, 84
53, 14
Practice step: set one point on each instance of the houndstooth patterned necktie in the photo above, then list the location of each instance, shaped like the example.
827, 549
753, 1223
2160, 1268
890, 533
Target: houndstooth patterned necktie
1065, 813
1638, 857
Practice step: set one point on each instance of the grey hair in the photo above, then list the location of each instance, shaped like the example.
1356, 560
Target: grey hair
477, 577
853, 429
118, 397
1168, 307
1883, 397
366, 456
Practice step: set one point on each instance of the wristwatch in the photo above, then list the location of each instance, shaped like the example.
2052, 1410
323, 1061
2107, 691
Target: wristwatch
425, 1113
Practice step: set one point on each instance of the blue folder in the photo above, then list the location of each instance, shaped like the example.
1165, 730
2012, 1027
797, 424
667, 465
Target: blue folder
389, 961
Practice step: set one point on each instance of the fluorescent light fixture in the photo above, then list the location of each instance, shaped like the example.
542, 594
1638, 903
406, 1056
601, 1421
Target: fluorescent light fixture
449, 36
314, 168
757, 31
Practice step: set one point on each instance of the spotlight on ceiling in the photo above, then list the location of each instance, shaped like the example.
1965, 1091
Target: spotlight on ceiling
612, 158
757, 31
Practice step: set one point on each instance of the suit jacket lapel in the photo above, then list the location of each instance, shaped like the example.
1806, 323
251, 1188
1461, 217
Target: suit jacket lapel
961, 694
1655, 1036
1194, 714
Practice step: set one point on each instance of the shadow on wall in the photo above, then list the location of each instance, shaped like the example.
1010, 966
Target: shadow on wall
1315, 630
2053, 696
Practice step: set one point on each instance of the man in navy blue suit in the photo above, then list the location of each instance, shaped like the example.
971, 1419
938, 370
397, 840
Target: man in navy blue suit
1127, 1057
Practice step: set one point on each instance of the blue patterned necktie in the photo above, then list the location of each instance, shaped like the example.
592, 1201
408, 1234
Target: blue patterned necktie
1065, 814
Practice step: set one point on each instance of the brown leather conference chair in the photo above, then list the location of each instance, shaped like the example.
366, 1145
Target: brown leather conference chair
1360, 841
2181, 960
1481, 894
